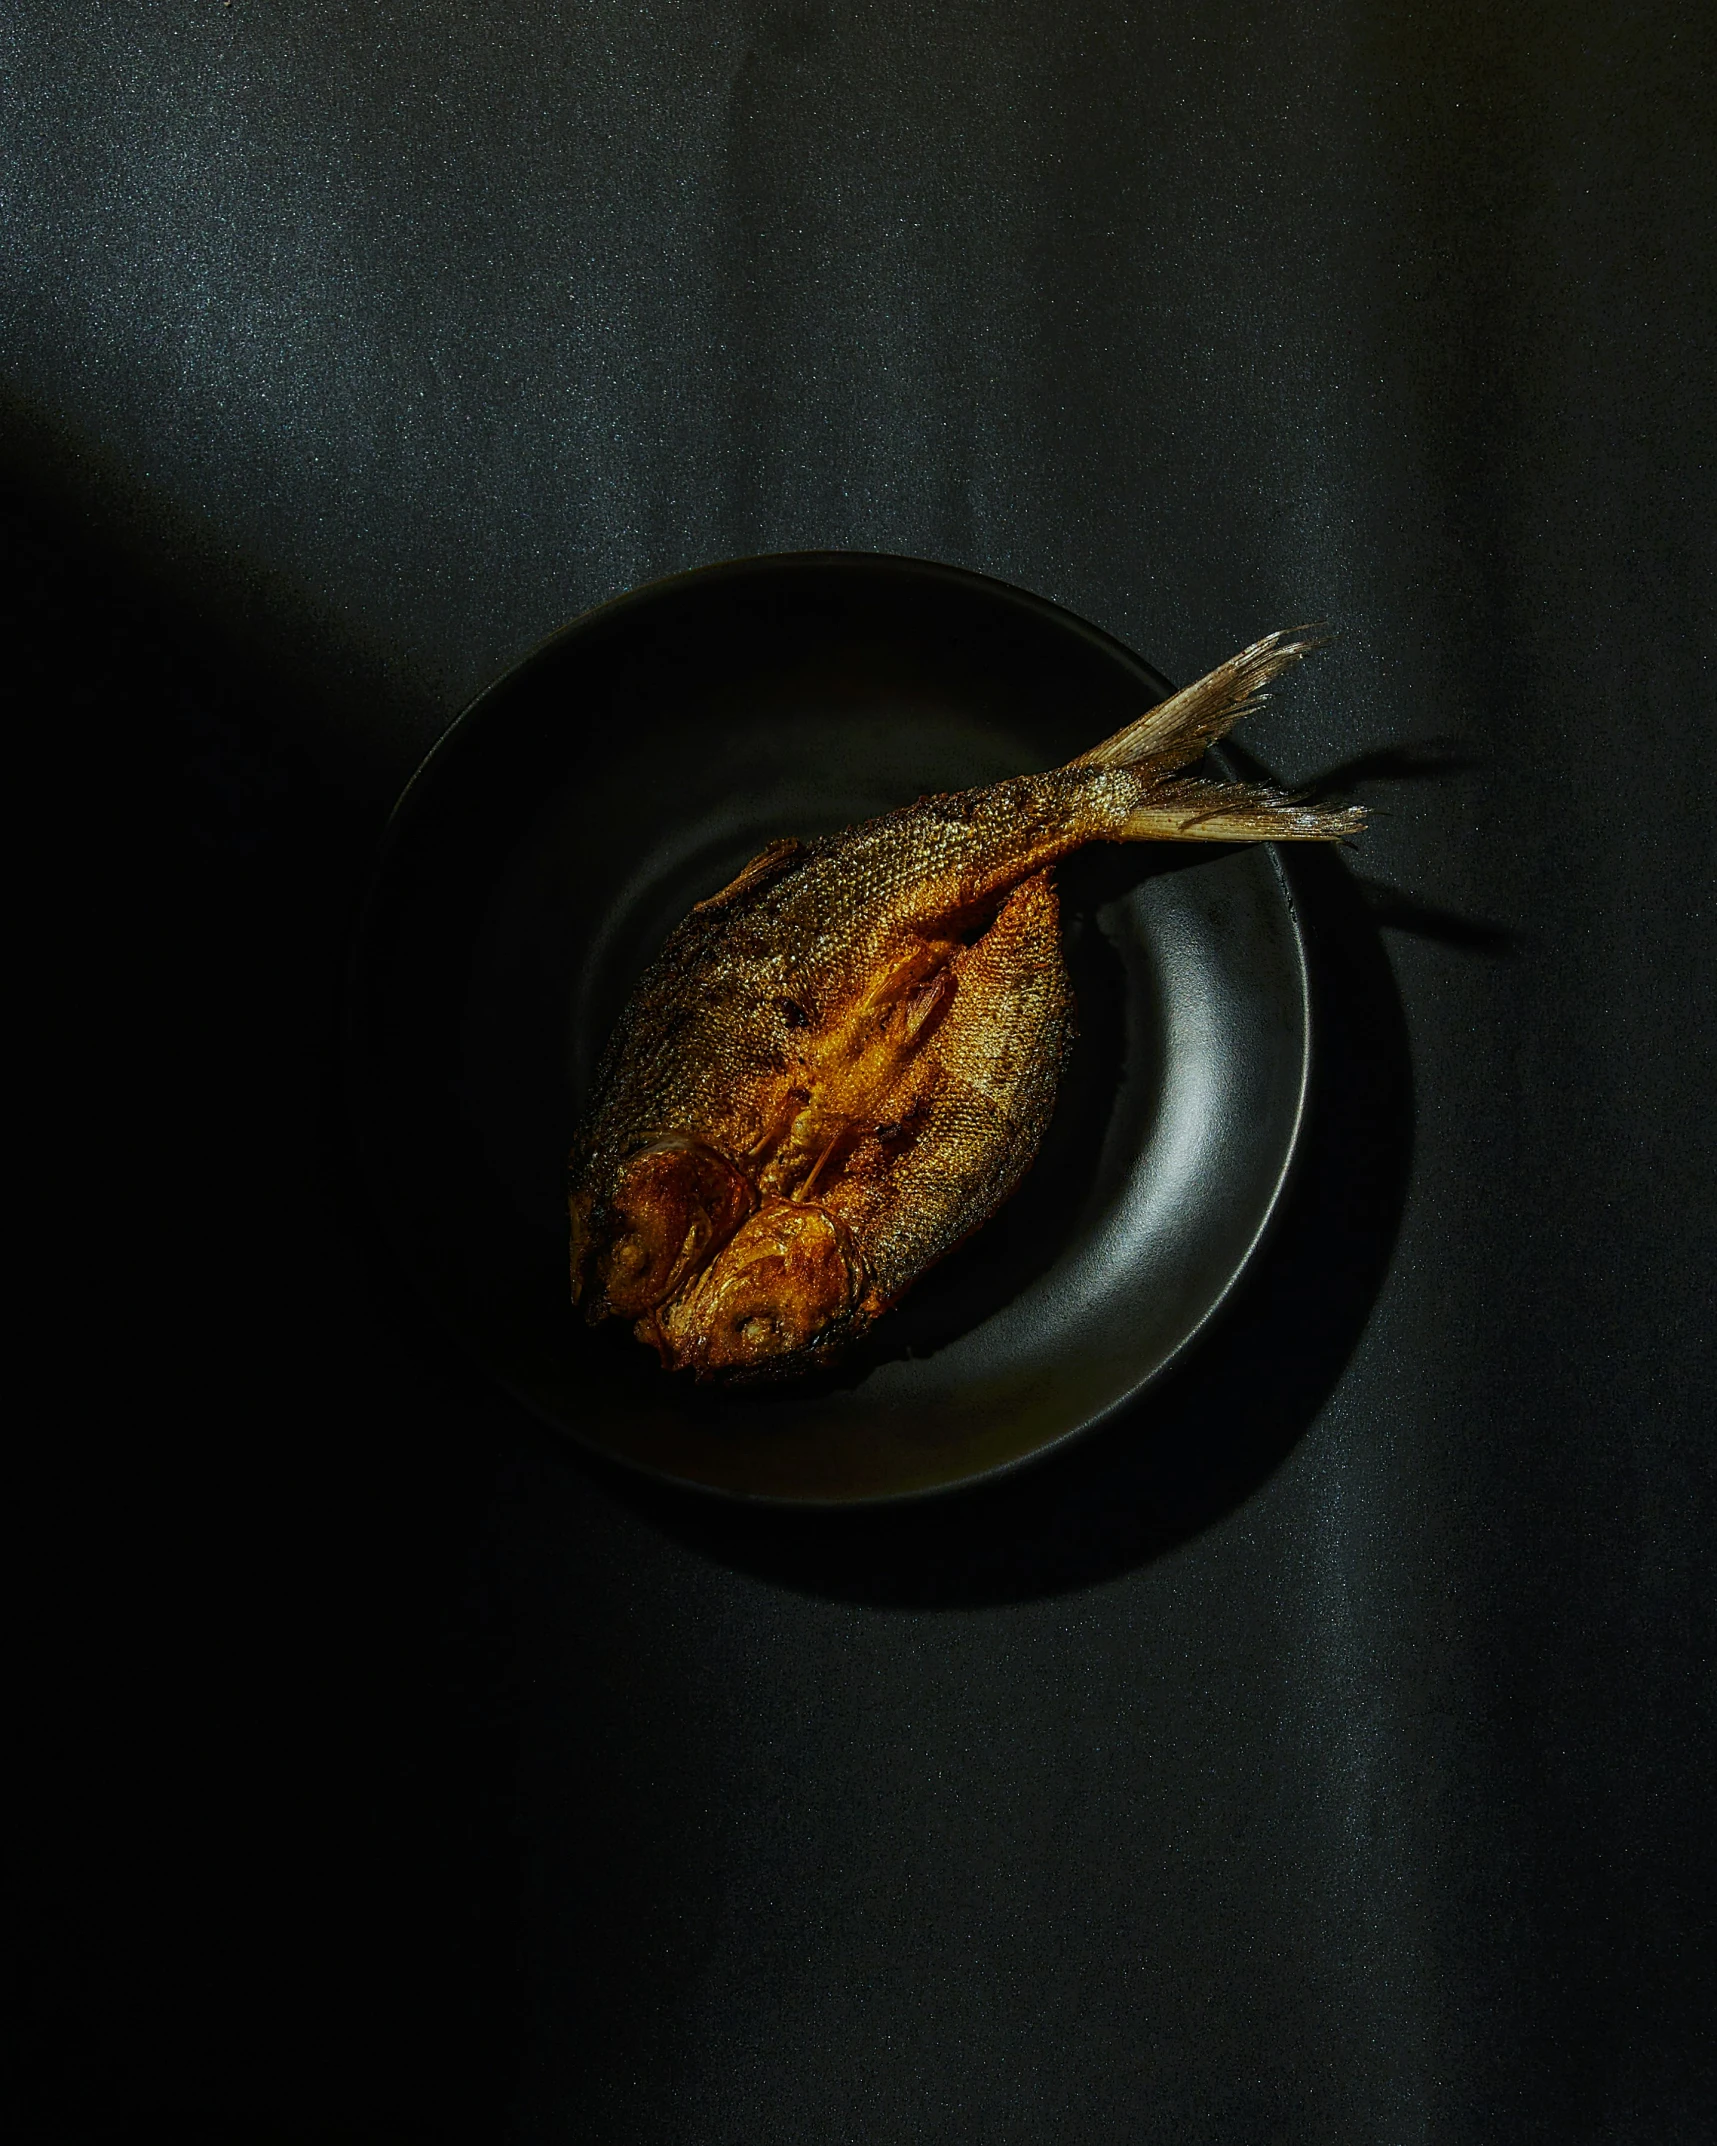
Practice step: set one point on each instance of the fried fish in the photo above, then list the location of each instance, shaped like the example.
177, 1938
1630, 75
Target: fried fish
843, 1063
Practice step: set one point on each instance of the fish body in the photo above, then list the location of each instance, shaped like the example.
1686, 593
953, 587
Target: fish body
843, 1063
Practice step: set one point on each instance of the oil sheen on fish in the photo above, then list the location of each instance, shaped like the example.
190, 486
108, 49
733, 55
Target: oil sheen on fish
843, 1063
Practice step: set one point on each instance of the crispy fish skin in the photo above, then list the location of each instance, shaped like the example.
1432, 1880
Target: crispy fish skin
844, 1062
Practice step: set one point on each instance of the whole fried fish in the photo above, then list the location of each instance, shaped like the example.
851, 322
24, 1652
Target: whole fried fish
842, 1064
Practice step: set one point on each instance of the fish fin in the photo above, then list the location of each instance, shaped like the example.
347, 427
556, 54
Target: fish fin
1195, 811
923, 1003
1178, 729
766, 865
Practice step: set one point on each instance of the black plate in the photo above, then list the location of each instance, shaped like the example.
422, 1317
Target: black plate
629, 767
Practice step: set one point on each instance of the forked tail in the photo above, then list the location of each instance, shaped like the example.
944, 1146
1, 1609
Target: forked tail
1174, 733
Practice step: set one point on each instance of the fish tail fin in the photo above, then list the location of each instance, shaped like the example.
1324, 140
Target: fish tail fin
1178, 729
1193, 811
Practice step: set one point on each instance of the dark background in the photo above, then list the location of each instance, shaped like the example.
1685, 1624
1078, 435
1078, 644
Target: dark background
1325, 1757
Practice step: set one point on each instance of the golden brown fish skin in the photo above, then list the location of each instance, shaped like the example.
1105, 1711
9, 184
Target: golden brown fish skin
675, 1204
928, 1115
781, 1287
733, 1050
844, 1062
978, 1106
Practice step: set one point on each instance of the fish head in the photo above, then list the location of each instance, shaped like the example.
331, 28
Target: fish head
672, 1205
781, 1284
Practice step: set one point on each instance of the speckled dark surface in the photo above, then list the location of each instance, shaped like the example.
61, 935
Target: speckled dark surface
1329, 1764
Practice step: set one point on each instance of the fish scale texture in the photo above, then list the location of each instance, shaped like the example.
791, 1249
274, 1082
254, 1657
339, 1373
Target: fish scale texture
710, 1030
997, 1061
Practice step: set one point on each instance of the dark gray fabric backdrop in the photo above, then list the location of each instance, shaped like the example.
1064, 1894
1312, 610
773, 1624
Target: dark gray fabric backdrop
395, 1776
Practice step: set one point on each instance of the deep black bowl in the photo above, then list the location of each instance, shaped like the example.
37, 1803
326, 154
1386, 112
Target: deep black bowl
626, 769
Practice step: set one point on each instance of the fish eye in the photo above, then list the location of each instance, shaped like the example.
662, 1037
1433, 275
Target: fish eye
629, 1255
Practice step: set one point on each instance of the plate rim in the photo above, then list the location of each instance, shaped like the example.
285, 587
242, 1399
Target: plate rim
458, 733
